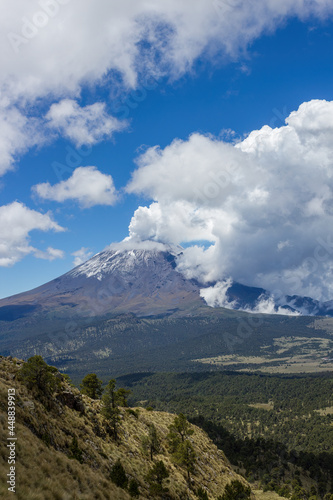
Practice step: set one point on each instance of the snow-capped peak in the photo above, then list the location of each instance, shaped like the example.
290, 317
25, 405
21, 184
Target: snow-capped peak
124, 258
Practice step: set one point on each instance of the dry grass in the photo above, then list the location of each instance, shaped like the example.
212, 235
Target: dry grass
45, 472
325, 411
263, 406
301, 355
294, 365
266, 495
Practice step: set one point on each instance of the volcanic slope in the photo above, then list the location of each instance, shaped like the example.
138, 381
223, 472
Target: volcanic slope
131, 310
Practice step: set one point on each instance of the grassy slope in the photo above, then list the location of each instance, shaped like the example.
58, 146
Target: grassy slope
45, 472
115, 345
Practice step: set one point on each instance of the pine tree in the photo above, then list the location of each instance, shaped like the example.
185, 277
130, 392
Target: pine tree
110, 401
155, 477
185, 456
38, 376
151, 443
179, 431
91, 386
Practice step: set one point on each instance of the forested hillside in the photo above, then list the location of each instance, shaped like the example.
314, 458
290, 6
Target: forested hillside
88, 445
274, 428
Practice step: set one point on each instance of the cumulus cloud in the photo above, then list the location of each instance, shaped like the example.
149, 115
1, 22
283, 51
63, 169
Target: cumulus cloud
81, 256
87, 185
216, 296
82, 125
266, 305
265, 204
107, 35
16, 223
50, 254
17, 135
108, 41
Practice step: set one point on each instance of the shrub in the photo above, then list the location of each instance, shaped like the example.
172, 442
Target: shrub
118, 475
74, 451
202, 494
133, 488
134, 413
236, 491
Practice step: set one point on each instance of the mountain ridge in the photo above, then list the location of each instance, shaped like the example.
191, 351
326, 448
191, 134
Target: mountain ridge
145, 281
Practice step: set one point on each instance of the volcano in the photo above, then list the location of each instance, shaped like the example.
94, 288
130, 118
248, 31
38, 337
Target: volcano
139, 281
130, 309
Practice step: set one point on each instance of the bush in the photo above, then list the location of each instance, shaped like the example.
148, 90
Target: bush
74, 451
134, 413
118, 475
236, 491
202, 494
133, 488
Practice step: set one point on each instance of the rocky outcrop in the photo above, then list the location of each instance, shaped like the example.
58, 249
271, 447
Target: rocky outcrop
72, 400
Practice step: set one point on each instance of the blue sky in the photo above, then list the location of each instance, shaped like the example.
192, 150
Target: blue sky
233, 82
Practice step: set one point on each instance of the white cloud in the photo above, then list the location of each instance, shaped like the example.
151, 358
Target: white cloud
136, 244
264, 203
107, 41
266, 305
94, 38
81, 256
216, 296
50, 254
16, 223
82, 125
17, 135
87, 185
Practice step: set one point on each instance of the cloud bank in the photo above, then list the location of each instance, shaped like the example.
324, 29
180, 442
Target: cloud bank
265, 204
55, 48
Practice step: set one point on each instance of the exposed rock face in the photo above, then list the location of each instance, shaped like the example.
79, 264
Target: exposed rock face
72, 400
